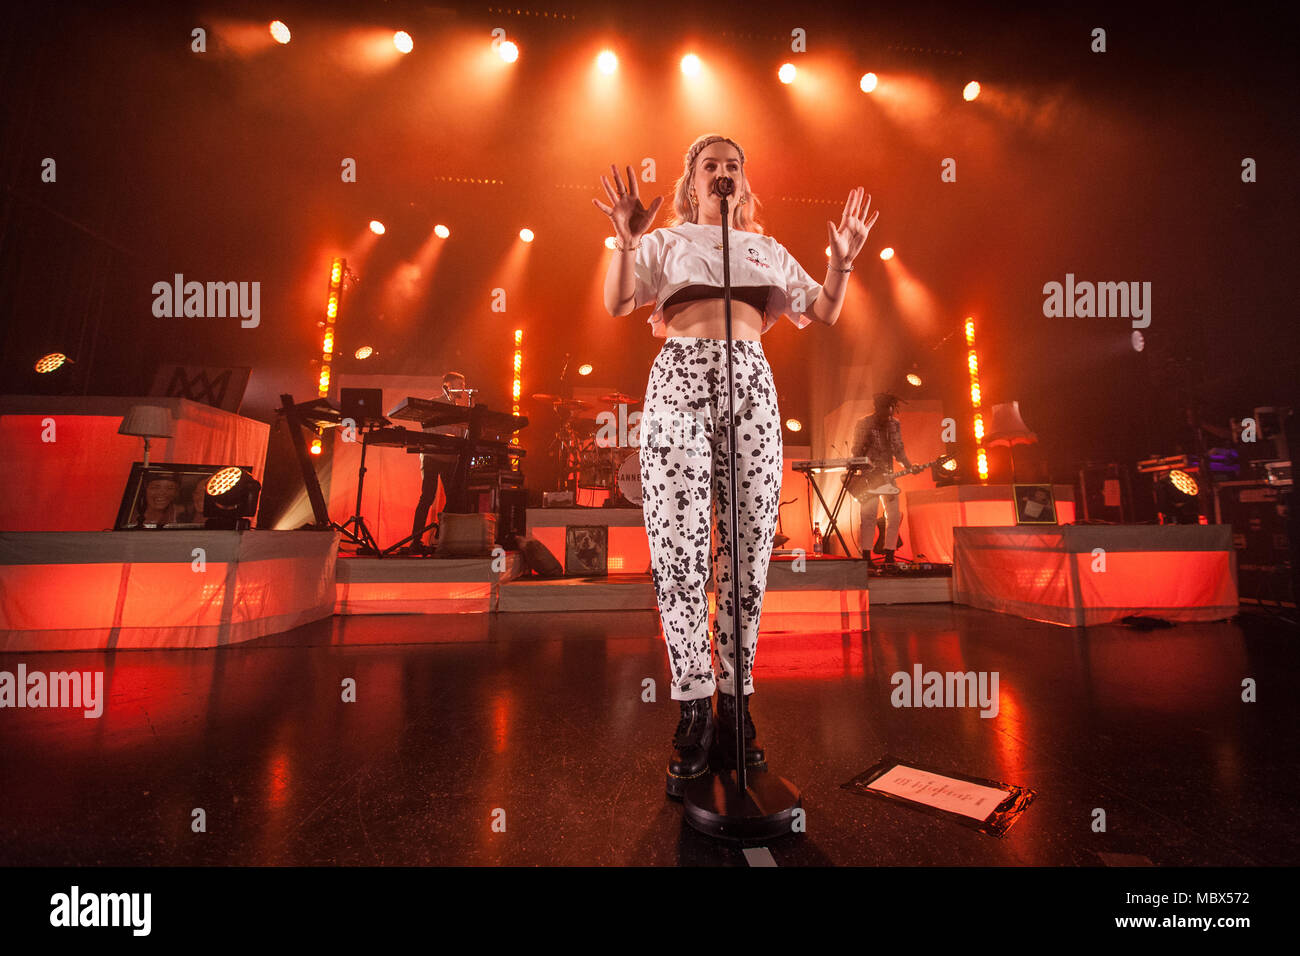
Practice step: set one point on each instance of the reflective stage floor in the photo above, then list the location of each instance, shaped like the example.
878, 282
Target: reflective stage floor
537, 721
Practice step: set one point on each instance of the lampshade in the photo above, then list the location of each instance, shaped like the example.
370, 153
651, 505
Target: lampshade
1007, 427
147, 421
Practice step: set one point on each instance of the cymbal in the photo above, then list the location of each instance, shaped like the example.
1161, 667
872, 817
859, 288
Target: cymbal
571, 404
543, 397
620, 398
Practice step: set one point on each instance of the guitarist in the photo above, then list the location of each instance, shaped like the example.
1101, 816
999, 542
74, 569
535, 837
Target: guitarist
880, 438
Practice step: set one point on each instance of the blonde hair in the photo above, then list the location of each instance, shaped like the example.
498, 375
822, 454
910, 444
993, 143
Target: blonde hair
744, 214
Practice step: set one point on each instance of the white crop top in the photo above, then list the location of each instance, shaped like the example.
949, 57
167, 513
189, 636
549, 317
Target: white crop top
674, 257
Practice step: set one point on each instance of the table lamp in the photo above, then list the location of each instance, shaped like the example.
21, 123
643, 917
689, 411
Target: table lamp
147, 421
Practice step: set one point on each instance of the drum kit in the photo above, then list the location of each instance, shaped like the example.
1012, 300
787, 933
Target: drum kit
586, 462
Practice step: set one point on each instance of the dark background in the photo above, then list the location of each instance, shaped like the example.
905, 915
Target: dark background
224, 166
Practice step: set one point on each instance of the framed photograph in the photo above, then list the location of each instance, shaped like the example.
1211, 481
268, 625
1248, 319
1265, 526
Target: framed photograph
1034, 504
165, 496
586, 549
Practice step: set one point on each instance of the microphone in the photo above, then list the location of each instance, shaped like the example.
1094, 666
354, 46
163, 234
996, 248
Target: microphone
724, 186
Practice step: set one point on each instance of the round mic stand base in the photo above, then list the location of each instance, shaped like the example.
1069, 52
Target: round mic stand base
764, 811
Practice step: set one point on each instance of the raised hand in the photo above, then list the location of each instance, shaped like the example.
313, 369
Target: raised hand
847, 239
631, 220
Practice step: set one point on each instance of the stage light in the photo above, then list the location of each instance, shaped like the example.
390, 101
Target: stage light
585, 369
787, 73
828, 252
1184, 482
402, 40
887, 253
607, 62
441, 231
1138, 340
338, 269
230, 500
279, 32
794, 424
376, 227
946, 474
1176, 498
973, 367
364, 352
691, 64
971, 91
913, 379
868, 82
49, 363
516, 386
609, 242
315, 446
526, 235
508, 51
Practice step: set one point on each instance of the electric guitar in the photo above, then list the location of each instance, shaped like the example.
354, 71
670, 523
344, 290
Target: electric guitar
878, 481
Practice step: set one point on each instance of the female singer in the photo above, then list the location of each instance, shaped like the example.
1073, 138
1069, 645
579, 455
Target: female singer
683, 426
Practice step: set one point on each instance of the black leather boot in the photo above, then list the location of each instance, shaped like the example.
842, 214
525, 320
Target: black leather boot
755, 758
691, 745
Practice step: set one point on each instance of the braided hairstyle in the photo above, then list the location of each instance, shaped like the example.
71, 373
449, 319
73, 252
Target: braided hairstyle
744, 207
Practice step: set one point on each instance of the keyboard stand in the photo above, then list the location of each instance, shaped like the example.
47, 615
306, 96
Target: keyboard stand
832, 521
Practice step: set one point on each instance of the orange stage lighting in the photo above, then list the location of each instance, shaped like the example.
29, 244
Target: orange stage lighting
338, 268
516, 385
508, 51
787, 73
609, 242
913, 379
376, 227
691, 64
402, 40
868, 82
971, 91
526, 235
315, 446
794, 424
584, 369
887, 253
279, 32
441, 231
364, 352
48, 363
607, 62
973, 367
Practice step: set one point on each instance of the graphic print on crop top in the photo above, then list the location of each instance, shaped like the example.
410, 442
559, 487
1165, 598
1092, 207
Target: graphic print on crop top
687, 256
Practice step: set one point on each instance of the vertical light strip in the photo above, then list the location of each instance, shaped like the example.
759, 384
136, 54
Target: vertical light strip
337, 268
515, 386
973, 366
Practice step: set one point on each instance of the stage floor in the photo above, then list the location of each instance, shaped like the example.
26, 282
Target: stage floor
540, 715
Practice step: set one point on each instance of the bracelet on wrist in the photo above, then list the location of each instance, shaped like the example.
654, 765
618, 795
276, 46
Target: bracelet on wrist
618, 244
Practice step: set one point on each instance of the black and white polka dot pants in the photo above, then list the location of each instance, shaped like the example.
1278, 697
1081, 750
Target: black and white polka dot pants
684, 484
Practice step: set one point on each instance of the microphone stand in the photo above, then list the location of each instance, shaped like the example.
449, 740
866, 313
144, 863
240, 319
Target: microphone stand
737, 807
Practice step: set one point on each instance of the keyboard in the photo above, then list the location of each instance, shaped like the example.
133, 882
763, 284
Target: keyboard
830, 464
